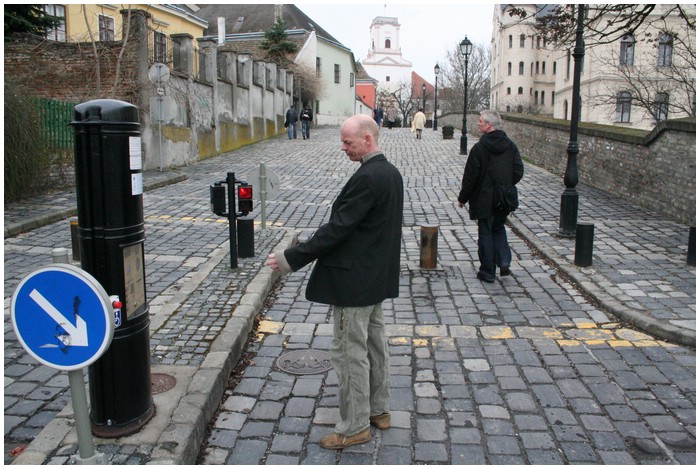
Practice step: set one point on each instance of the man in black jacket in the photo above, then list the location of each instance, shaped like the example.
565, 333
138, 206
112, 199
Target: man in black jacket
493, 160
357, 256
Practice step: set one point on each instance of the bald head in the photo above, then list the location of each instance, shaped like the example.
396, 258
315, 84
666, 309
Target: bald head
360, 136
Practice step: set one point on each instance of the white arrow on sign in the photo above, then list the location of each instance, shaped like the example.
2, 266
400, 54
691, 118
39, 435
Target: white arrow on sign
77, 335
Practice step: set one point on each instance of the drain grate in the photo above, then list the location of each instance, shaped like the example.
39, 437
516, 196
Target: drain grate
160, 382
304, 362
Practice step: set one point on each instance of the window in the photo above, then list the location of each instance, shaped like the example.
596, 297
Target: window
568, 64
532, 71
521, 68
665, 51
352, 80
522, 41
624, 107
510, 69
159, 47
536, 96
627, 51
59, 32
552, 98
387, 44
554, 68
388, 78
543, 67
507, 108
508, 91
537, 68
510, 41
661, 107
336, 73
106, 24
538, 42
318, 66
520, 108
520, 90
542, 98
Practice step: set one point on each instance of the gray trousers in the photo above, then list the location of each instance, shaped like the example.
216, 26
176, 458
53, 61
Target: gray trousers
360, 358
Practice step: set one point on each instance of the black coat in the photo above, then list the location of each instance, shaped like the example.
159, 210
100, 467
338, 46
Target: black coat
358, 251
477, 182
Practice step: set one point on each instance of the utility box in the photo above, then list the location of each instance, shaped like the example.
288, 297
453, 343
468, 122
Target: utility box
109, 189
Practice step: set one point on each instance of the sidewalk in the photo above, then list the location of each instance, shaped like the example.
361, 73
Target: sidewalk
639, 274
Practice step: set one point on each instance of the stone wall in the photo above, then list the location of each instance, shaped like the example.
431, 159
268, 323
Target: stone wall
653, 169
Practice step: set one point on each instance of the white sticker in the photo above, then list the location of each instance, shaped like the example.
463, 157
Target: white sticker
136, 184
134, 152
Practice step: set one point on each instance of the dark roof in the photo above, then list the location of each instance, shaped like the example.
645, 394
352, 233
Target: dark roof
246, 18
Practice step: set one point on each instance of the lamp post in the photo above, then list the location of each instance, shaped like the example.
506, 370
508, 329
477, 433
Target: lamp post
568, 213
423, 96
437, 72
466, 48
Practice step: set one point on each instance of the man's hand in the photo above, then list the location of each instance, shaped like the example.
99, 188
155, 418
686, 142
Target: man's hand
272, 262
460, 204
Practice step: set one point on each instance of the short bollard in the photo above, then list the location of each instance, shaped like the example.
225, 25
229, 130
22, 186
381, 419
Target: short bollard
691, 247
428, 246
74, 239
583, 255
246, 237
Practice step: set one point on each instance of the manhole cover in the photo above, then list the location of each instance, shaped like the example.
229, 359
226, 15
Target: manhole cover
304, 362
160, 382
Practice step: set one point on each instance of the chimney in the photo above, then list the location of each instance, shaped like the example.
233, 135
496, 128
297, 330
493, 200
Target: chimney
221, 23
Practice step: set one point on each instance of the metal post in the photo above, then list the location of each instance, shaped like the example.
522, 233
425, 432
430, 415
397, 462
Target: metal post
465, 46
583, 253
569, 198
75, 239
232, 232
690, 260
263, 194
435, 116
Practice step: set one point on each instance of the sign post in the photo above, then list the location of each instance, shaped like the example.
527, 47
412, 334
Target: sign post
63, 317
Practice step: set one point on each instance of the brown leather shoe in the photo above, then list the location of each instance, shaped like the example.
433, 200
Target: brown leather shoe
337, 441
382, 421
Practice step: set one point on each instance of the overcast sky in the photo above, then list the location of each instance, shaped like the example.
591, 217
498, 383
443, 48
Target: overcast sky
427, 30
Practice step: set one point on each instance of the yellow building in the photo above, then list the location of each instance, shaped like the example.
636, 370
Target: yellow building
103, 22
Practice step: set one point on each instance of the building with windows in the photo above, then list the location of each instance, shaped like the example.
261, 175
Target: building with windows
637, 81
104, 22
241, 28
384, 60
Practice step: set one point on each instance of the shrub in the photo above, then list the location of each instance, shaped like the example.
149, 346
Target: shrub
27, 157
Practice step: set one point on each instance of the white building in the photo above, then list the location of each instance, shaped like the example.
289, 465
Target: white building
529, 75
384, 61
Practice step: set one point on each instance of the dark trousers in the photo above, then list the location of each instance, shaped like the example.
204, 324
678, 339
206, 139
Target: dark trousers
493, 245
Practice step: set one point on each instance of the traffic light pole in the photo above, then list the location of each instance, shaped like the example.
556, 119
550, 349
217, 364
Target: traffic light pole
232, 231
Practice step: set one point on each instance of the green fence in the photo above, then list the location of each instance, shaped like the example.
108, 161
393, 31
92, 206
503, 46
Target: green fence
55, 117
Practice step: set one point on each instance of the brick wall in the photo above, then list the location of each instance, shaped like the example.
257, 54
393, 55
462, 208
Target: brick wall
653, 169
35, 67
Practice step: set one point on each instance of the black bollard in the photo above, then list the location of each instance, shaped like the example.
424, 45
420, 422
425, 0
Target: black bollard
246, 238
691, 246
583, 255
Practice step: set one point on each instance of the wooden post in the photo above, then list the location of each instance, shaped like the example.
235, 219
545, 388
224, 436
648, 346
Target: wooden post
428, 246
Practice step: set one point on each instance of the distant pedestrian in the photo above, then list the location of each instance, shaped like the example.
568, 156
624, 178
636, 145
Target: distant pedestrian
357, 254
493, 160
379, 116
291, 122
419, 123
390, 117
306, 117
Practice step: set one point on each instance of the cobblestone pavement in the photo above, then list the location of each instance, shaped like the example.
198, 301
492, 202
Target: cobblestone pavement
531, 369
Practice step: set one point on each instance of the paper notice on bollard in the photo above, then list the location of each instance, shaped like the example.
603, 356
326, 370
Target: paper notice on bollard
136, 184
135, 153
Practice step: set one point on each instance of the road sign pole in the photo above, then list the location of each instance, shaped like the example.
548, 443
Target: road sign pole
263, 194
86, 447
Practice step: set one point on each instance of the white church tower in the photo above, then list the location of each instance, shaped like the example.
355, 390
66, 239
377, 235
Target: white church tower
384, 62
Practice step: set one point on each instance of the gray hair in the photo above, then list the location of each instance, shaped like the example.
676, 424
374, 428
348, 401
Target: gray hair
492, 117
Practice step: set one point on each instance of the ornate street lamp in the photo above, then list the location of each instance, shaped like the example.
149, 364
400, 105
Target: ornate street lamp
466, 48
568, 212
423, 96
437, 72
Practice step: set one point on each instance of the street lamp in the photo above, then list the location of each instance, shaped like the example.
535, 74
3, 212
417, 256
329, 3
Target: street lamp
466, 48
568, 210
437, 72
423, 96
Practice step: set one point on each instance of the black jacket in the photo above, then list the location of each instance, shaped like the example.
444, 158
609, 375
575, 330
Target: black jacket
358, 251
477, 182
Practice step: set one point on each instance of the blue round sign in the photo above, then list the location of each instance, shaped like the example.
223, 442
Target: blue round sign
62, 316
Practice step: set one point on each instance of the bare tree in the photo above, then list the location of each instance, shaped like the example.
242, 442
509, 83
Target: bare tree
451, 92
604, 23
311, 86
404, 99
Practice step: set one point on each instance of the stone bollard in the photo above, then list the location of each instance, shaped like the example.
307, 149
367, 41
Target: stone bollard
428, 246
583, 255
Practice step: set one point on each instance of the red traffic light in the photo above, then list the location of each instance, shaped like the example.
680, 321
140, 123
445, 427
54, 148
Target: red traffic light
245, 199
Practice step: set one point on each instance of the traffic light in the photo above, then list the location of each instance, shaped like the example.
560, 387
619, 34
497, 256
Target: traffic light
245, 198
